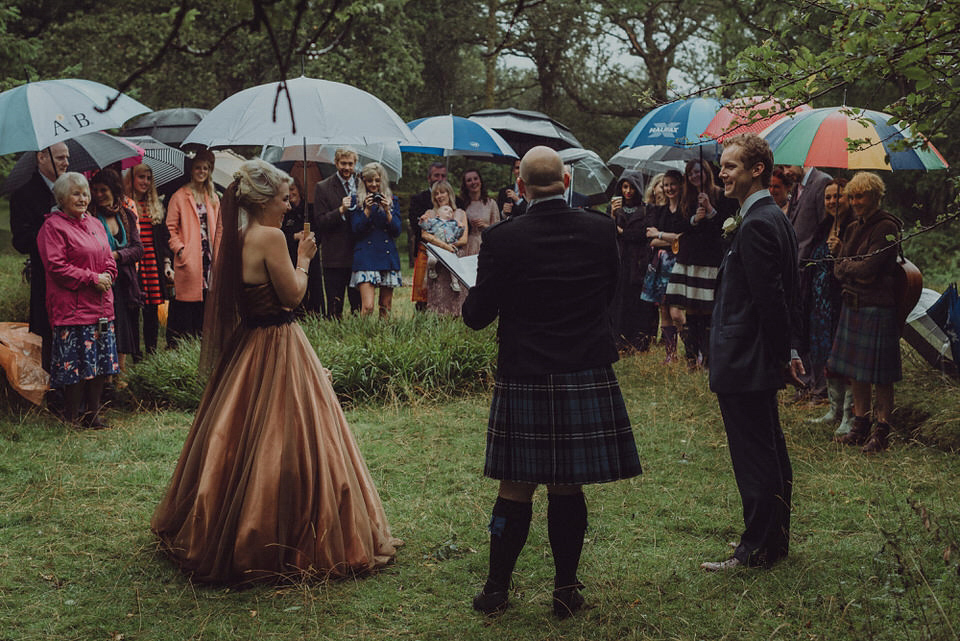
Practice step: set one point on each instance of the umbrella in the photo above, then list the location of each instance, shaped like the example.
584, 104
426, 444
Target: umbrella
39, 114
165, 161
226, 162
456, 136
590, 174
743, 115
526, 129
651, 159
818, 138
88, 152
323, 112
387, 154
680, 125
169, 126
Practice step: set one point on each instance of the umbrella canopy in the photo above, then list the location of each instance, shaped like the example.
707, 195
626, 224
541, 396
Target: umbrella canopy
226, 162
169, 126
456, 136
652, 159
88, 152
387, 154
525, 129
679, 124
39, 114
818, 138
324, 112
748, 115
590, 174
165, 162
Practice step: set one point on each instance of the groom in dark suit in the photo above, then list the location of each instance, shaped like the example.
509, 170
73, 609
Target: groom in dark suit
750, 347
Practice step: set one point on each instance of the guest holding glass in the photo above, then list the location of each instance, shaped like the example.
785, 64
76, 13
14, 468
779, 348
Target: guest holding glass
375, 222
80, 271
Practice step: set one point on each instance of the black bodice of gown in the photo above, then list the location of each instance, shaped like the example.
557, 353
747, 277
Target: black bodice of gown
260, 307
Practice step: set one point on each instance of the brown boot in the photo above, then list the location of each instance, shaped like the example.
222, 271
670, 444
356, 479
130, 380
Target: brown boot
858, 432
878, 439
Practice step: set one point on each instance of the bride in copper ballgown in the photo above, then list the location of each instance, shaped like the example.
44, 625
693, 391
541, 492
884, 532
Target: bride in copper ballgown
270, 483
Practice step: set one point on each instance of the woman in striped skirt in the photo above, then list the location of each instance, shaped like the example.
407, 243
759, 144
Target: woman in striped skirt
139, 185
694, 275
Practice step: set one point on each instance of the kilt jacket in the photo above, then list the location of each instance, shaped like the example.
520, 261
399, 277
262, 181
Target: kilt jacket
550, 276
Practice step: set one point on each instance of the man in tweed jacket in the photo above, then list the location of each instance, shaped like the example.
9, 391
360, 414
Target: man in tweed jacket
557, 416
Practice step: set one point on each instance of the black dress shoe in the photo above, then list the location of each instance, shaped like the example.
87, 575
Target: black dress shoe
566, 601
490, 603
722, 566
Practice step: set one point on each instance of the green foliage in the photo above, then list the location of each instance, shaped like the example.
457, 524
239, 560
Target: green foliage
400, 360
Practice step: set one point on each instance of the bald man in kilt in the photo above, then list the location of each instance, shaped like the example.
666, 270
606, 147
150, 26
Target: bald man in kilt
557, 416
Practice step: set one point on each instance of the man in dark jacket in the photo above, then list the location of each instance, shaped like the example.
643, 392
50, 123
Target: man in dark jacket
557, 416
29, 206
750, 345
332, 199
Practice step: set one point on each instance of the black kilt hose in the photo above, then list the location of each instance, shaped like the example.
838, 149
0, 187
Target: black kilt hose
560, 429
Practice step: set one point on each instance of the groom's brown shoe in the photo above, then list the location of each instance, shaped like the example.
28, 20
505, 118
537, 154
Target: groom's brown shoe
722, 566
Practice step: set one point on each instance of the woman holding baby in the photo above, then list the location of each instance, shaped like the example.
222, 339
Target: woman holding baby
444, 226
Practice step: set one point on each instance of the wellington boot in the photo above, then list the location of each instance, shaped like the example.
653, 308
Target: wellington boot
858, 431
847, 421
878, 439
835, 395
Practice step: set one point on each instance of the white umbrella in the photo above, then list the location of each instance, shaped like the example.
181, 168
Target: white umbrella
317, 112
590, 175
39, 114
653, 159
455, 136
387, 154
226, 162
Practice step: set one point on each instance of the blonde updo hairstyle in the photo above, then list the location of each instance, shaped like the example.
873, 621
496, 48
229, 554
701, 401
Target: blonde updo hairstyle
256, 183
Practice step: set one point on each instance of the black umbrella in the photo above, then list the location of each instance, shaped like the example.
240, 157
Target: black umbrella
526, 129
169, 126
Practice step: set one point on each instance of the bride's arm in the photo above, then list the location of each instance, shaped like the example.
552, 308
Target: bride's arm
289, 282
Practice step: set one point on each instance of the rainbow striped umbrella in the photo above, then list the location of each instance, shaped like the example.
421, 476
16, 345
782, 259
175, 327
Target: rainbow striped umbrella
819, 138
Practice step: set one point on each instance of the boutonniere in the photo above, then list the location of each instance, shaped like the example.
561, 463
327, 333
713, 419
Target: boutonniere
730, 225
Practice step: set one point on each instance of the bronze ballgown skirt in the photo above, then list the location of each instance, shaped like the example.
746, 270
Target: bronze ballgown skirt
270, 483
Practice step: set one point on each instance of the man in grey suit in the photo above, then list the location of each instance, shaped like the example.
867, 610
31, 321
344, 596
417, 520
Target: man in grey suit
750, 347
806, 208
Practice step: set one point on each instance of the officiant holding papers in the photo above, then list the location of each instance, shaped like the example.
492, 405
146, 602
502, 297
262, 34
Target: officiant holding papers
557, 417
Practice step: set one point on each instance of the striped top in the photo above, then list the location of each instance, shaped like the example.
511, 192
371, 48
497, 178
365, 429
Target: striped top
149, 270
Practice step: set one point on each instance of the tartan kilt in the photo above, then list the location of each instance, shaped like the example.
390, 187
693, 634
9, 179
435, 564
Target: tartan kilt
560, 429
866, 347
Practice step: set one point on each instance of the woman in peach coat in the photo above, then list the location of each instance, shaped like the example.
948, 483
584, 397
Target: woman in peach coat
193, 220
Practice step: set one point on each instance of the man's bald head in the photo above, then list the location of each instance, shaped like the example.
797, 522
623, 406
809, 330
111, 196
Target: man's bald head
541, 173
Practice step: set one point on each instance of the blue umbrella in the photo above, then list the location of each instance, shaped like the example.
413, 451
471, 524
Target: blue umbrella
456, 136
679, 125
39, 114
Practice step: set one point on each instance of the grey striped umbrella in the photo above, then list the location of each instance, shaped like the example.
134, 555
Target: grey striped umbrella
165, 161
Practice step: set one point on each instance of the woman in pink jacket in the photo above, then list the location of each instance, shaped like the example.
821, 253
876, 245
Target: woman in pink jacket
80, 271
193, 218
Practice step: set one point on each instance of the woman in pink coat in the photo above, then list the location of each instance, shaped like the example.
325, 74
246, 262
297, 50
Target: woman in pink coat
193, 220
80, 271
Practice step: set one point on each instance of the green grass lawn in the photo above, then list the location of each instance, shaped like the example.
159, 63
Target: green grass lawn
874, 547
